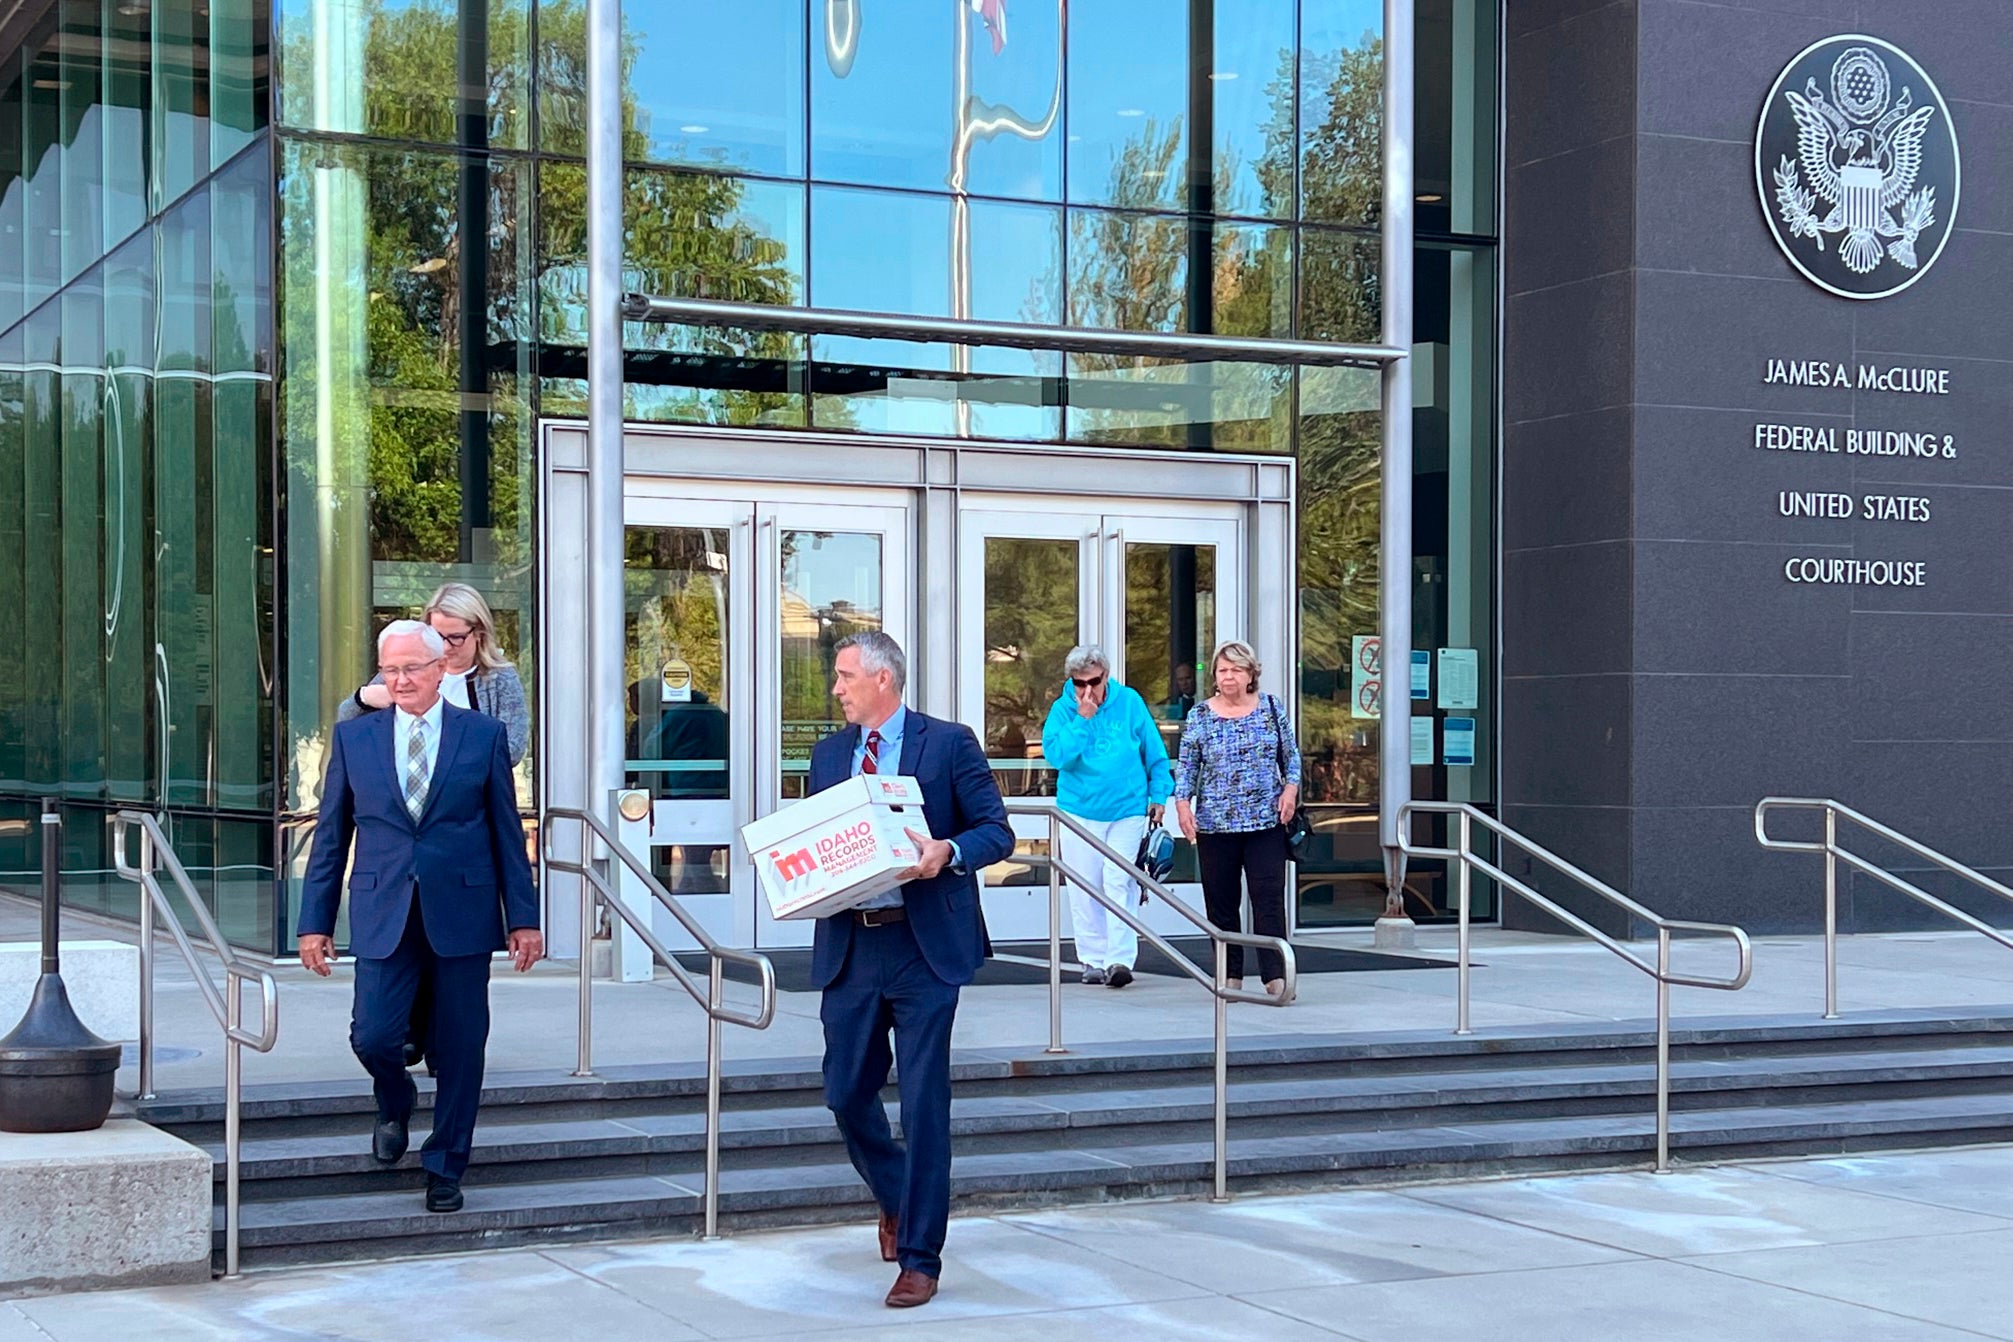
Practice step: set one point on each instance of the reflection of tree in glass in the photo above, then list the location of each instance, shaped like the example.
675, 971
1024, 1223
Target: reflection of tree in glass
676, 609
1030, 626
811, 632
1339, 518
684, 236
1129, 271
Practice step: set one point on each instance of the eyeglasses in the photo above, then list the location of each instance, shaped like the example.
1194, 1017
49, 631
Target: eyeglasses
456, 640
391, 673
1090, 684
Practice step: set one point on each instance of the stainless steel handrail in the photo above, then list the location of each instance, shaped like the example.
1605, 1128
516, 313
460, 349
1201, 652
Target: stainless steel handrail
1466, 861
1830, 847
227, 1006
594, 890
1058, 872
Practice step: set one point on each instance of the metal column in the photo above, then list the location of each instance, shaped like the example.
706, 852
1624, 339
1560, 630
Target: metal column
605, 689
1394, 581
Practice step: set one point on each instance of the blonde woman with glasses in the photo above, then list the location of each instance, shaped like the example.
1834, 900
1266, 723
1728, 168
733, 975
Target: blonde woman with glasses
1236, 788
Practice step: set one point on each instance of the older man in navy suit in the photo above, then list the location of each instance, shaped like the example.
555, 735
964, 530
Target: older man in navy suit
895, 963
440, 876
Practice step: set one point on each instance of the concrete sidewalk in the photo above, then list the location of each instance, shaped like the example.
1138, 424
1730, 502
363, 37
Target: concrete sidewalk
1519, 979
1903, 1248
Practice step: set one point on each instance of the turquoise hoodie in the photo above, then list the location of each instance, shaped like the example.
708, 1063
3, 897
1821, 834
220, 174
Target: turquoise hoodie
1110, 765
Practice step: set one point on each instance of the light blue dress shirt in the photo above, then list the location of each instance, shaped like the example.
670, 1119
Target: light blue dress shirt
888, 760
406, 724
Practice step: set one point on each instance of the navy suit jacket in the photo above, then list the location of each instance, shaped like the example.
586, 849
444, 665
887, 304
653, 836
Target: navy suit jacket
961, 803
464, 856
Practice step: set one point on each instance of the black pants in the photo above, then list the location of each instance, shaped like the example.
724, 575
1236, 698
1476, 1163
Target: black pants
1260, 858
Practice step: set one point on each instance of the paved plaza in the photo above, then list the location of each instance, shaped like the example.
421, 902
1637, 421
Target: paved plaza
1893, 1248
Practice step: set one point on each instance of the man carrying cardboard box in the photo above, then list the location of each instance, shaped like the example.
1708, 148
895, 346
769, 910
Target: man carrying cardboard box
895, 962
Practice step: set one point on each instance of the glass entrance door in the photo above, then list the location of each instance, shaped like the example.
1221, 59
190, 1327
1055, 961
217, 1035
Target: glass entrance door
1157, 590
733, 611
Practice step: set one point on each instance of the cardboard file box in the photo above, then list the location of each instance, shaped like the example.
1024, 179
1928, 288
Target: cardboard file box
832, 850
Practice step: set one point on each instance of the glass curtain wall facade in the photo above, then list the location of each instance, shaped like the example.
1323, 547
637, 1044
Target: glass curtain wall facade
136, 504
366, 310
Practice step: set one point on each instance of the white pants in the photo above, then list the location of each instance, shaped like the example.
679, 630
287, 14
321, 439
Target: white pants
1102, 938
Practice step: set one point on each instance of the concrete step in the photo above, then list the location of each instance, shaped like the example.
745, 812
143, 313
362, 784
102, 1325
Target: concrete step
546, 1096
323, 1227
509, 1148
562, 1157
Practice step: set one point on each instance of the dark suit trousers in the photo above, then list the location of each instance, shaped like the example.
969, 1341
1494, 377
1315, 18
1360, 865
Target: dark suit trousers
459, 988
886, 985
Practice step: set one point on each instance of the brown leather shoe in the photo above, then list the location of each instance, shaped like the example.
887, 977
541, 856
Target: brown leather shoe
911, 1288
888, 1224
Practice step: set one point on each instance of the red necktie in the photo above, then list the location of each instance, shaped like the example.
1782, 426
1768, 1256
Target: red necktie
870, 763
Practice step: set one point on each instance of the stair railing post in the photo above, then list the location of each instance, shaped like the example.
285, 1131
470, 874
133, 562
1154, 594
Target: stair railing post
715, 1000
1830, 912
1055, 934
234, 1063
1462, 880
1663, 1051
584, 1065
146, 963
1222, 1193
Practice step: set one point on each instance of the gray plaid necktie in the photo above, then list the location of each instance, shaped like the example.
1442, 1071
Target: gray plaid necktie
415, 768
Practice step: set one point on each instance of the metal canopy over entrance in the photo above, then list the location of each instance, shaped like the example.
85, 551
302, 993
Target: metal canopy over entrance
747, 556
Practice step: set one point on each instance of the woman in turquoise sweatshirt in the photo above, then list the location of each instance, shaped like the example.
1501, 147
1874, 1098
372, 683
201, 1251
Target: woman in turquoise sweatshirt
1112, 777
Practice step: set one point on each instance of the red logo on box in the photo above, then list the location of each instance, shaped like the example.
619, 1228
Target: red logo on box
799, 863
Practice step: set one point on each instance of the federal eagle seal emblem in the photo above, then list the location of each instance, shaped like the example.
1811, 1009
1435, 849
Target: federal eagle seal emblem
1856, 164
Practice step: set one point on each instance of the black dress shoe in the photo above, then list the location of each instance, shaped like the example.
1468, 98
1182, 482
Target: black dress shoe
1117, 976
442, 1195
388, 1140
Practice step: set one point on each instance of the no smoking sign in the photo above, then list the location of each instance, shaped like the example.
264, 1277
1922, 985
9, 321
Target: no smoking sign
1366, 676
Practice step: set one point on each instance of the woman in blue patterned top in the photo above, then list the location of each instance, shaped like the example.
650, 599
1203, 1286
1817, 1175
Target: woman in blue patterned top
1235, 788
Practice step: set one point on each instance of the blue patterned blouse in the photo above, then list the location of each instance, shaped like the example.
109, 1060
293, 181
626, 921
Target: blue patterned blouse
1232, 767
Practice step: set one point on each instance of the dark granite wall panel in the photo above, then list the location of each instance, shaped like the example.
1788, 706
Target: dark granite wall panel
1569, 372
1634, 390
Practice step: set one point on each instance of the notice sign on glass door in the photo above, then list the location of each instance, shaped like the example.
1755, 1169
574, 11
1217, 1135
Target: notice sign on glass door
1422, 740
1460, 678
1457, 740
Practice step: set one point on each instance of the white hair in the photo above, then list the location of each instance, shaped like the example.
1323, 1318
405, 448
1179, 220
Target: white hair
1083, 657
878, 652
426, 634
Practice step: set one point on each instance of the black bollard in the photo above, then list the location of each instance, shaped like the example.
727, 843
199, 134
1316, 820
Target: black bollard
55, 1075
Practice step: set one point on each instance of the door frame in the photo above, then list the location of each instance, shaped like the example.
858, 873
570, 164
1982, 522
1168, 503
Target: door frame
936, 475
1099, 526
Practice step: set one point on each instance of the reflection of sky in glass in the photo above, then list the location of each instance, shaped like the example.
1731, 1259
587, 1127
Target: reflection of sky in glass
1252, 78
891, 252
888, 122
1128, 70
720, 84
824, 567
1329, 26
1021, 79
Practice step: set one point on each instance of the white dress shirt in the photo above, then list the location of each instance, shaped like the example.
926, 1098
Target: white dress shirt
454, 687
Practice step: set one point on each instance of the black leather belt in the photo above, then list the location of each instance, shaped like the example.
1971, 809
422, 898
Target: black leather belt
881, 917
